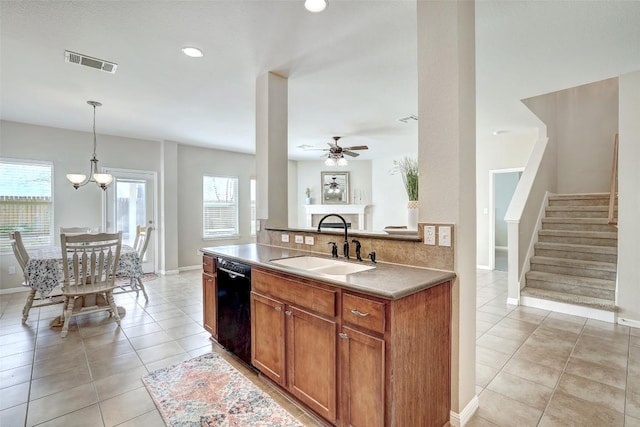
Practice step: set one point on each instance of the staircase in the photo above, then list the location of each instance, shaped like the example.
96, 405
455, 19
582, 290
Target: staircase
575, 260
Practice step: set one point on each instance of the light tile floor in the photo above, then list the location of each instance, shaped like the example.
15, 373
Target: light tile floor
540, 368
533, 367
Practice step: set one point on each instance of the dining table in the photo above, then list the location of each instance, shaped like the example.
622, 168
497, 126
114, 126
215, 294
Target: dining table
44, 268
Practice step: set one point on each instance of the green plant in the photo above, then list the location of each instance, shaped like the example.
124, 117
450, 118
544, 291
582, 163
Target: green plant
308, 192
408, 169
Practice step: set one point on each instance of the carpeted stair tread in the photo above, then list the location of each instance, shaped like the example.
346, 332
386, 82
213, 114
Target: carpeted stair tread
576, 263
578, 208
592, 302
578, 196
590, 282
582, 234
567, 220
570, 247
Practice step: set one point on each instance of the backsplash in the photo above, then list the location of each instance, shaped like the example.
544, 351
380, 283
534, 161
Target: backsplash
394, 250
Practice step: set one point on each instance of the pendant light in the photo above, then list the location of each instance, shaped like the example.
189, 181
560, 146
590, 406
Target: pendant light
102, 180
315, 5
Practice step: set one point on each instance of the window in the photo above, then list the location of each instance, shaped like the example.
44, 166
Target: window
219, 207
253, 206
26, 202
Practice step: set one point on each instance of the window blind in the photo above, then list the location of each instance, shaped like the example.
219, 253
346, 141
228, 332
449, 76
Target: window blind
26, 202
219, 207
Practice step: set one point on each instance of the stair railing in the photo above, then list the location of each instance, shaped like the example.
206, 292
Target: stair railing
613, 190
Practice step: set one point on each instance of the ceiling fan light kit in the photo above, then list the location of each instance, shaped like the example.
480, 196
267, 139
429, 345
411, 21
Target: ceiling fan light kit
335, 157
315, 5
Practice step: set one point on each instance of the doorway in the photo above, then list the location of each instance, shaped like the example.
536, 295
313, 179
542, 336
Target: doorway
503, 183
130, 201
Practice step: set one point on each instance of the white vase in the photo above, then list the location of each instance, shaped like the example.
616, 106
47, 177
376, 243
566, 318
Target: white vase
308, 200
412, 215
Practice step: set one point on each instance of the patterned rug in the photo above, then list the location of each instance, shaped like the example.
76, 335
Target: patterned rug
208, 391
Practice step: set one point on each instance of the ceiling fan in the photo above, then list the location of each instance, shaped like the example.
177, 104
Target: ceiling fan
336, 151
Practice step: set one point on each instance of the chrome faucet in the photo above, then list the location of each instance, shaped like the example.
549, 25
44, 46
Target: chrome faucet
345, 247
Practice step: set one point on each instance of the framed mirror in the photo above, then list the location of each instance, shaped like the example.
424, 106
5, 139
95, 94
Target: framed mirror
335, 188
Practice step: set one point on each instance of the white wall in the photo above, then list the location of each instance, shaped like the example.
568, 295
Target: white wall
629, 199
193, 163
309, 176
389, 197
505, 151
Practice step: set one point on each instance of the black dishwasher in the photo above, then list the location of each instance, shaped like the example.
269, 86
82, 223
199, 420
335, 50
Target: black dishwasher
234, 307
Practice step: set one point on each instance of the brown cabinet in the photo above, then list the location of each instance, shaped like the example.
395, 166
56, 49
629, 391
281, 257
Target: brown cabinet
388, 361
294, 338
209, 295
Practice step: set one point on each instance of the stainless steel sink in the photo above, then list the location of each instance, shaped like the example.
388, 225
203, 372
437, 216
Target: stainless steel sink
331, 267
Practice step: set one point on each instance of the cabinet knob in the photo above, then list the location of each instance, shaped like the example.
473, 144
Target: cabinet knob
358, 313
277, 308
343, 335
288, 313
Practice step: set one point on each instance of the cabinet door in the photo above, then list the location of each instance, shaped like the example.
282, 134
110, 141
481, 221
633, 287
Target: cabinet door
267, 337
210, 304
311, 353
363, 372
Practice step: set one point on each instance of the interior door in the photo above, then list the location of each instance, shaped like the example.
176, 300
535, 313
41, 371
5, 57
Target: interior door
129, 202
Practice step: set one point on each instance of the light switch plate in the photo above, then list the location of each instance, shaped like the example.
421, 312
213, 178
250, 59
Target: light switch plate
298, 239
430, 235
309, 240
284, 238
444, 236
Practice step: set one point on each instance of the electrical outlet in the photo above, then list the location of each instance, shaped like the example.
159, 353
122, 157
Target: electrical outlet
430, 235
309, 240
299, 239
284, 238
12, 269
444, 236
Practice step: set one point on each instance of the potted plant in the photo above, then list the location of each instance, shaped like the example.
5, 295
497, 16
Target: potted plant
408, 170
308, 193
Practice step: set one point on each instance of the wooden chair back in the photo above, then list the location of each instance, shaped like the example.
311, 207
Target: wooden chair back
90, 261
143, 236
76, 230
19, 251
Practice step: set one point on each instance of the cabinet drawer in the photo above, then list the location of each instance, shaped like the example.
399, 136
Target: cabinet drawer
208, 264
363, 312
303, 295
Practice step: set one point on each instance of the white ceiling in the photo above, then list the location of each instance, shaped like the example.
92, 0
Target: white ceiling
352, 69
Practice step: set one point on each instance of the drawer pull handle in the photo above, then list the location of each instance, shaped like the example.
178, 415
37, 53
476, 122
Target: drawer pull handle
288, 313
277, 308
343, 336
358, 313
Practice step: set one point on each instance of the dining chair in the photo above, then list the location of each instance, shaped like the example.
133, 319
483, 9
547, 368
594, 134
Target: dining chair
140, 244
89, 262
77, 230
22, 256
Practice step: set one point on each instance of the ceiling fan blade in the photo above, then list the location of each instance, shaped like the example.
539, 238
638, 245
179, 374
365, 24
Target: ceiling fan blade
356, 147
349, 153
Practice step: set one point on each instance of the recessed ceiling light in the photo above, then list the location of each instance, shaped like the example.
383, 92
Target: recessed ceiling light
193, 52
315, 5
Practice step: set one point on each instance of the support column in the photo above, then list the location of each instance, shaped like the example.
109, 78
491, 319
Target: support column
446, 108
168, 222
272, 149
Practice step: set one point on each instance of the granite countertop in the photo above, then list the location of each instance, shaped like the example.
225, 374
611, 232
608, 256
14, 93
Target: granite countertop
390, 281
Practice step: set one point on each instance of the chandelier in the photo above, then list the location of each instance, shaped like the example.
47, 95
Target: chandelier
102, 180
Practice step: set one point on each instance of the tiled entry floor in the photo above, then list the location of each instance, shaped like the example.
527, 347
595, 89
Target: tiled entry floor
533, 367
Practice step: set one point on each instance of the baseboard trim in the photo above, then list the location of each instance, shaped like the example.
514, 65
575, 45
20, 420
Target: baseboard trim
575, 310
513, 301
483, 267
461, 419
629, 322
14, 290
190, 268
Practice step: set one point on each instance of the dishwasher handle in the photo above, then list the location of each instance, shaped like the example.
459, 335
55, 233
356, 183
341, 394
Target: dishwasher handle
232, 274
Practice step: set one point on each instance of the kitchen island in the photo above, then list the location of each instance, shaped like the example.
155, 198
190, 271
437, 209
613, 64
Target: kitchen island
370, 348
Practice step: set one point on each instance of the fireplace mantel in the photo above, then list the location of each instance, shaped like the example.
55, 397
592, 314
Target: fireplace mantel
337, 209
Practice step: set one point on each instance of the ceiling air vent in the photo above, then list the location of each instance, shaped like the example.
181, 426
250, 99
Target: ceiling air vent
408, 119
88, 61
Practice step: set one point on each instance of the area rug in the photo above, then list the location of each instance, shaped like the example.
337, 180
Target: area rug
208, 391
